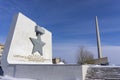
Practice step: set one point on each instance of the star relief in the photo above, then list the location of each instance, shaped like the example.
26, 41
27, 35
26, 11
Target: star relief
37, 44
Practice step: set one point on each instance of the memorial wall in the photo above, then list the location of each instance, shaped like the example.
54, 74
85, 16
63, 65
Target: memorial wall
28, 54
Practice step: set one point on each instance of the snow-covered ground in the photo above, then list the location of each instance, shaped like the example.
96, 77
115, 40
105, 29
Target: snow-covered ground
12, 78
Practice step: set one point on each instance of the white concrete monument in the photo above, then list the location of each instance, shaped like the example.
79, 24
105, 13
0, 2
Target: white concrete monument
28, 43
28, 54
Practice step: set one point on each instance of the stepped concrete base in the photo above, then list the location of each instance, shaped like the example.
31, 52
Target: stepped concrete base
46, 72
103, 73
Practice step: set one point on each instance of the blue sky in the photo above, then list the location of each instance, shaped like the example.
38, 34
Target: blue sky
72, 23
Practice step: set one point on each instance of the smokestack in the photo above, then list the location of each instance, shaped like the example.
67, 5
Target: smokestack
98, 38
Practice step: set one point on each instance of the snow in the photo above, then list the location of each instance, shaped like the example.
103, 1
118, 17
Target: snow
12, 78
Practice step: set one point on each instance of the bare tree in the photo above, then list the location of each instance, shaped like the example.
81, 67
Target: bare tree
85, 57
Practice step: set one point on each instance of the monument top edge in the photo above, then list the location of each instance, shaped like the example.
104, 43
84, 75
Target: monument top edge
21, 14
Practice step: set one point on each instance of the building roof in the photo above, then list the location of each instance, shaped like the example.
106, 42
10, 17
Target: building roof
1, 44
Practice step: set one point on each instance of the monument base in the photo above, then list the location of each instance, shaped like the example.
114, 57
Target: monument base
46, 72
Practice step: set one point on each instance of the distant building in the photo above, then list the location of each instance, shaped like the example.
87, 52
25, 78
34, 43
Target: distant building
1, 49
57, 61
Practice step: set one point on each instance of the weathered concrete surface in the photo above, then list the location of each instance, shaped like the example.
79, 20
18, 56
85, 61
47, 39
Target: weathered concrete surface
103, 72
48, 72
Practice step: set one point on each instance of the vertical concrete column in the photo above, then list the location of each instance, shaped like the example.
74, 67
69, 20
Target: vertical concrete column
98, 38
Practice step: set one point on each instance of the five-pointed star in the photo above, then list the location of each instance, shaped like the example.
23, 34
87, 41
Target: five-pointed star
38, 44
